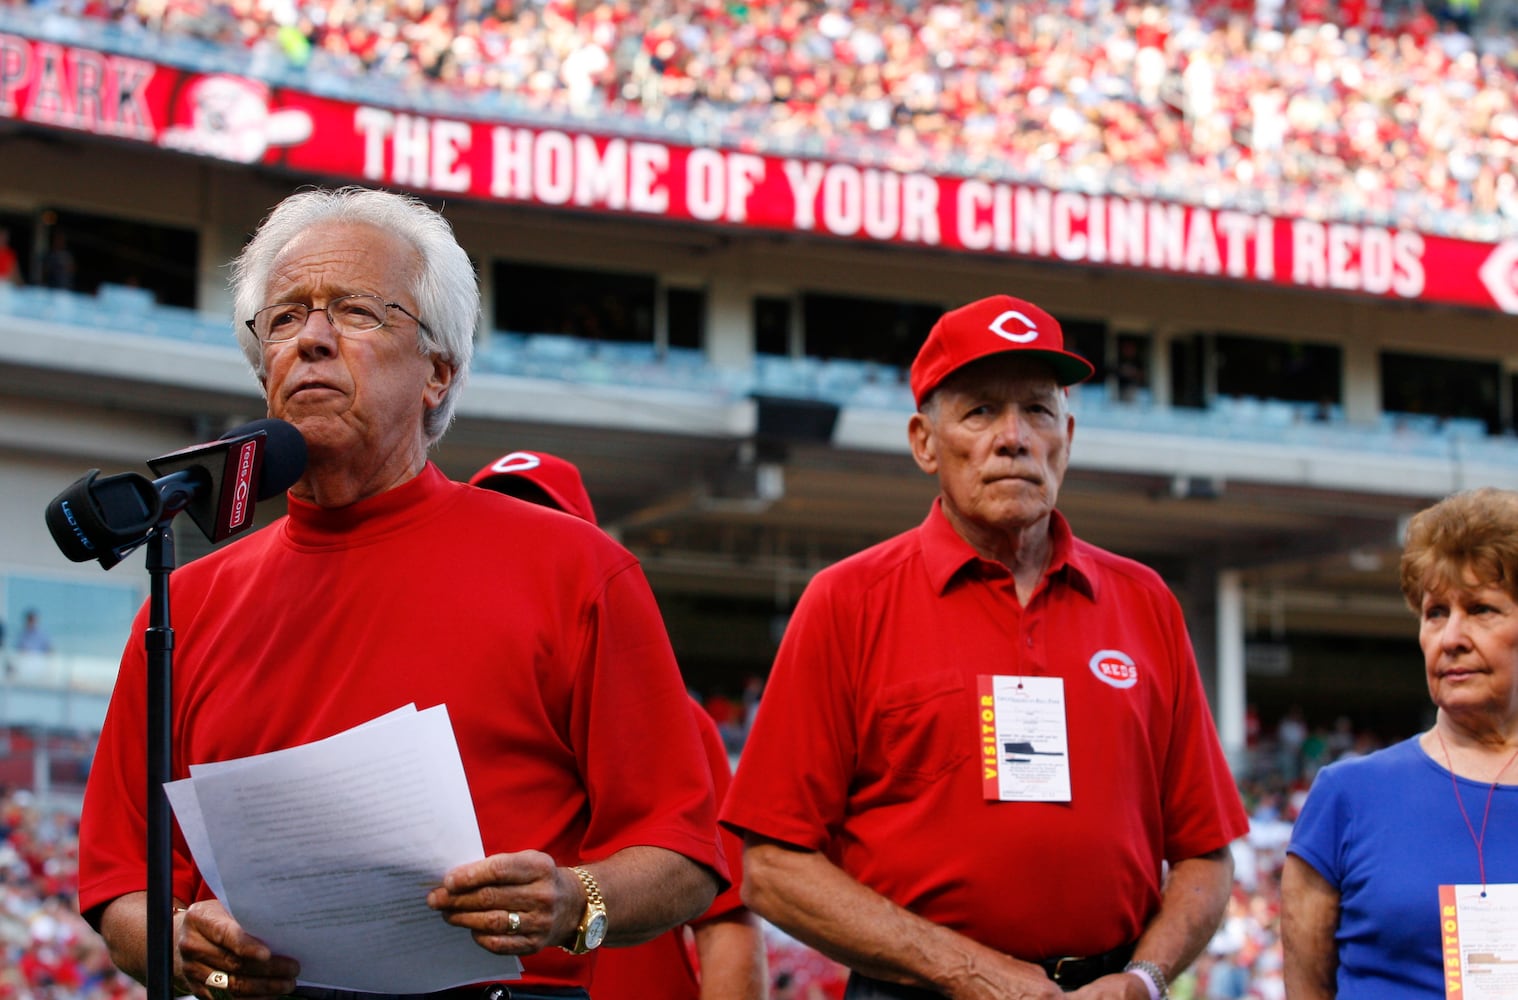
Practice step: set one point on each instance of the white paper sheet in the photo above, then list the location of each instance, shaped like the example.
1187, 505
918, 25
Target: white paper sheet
327, 851
186, 806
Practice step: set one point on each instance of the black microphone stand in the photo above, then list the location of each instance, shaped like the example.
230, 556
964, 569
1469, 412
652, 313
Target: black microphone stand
159, 642
106, 519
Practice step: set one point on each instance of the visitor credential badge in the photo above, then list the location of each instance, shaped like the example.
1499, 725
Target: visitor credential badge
1478, 930
1024, 747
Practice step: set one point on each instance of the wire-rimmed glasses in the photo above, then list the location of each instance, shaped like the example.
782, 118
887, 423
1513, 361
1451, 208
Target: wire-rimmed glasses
348, 314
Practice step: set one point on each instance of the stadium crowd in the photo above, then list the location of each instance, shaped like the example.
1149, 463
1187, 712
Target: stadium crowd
1375, 111
47, 952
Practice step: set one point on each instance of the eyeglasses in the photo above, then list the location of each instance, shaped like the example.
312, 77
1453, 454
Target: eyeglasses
348, 314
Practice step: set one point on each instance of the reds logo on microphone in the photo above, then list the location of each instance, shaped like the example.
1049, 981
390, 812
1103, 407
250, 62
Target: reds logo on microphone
243, 488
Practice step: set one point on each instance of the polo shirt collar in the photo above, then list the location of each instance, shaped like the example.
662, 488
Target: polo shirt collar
947, 556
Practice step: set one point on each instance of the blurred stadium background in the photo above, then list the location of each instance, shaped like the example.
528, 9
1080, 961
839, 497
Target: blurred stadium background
711, 235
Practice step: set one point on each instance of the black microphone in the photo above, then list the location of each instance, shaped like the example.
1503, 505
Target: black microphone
218, 483
103, 518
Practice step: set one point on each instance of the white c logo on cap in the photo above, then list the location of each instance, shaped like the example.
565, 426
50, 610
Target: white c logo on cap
517, 461
1030, 333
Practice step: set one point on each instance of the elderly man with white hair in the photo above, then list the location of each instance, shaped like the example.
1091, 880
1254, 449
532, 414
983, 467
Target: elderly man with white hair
386, 585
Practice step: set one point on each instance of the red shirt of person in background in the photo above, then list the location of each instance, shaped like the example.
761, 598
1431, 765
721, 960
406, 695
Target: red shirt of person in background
729, 957
10, 264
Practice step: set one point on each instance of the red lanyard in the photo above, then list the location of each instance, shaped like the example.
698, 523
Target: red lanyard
1486, 813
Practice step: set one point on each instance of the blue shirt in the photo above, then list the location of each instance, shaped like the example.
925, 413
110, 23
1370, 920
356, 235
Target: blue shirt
1385, 831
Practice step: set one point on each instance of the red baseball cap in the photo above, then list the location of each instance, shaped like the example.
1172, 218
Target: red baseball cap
996, 325
551, 474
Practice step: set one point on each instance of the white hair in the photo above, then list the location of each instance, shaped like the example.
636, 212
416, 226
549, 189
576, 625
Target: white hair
447, 293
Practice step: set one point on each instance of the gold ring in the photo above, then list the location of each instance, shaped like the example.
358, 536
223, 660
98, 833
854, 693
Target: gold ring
513, 922
218, 980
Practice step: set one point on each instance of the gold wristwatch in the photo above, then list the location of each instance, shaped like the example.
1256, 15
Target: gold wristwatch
593, 925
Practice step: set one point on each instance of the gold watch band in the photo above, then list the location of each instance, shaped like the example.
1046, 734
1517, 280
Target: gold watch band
592, 888
592, 929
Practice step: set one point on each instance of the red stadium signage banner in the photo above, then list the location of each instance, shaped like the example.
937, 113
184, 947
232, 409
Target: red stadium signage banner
244, 121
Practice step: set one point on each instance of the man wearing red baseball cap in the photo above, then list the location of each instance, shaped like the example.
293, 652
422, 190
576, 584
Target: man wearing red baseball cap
729, 956
984, 739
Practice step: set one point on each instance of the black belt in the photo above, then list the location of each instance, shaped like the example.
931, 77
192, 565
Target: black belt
484, 991
1068, 973
1073, 973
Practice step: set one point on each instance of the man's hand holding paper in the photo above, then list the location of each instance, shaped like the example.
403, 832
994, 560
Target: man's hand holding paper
210, 941
326, 853
484, 895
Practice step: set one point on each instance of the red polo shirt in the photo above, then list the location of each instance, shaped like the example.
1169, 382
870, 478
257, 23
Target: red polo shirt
866, 743
537, 631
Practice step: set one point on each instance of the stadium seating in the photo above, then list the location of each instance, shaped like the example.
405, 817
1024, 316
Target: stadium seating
1380, 114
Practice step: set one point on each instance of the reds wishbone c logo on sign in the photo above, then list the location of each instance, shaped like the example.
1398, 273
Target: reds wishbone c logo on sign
517, 461
1027, 333
1115, 667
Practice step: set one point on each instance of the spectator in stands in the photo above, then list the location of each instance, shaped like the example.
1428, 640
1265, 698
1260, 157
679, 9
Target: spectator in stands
1381, 850
10, 265
540, 635
33, 638
33, 660
58, 267
881, 830
730, 958
1132, 370
1291, 735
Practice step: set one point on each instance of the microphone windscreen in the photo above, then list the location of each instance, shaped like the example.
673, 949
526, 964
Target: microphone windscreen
284, 454
93, 517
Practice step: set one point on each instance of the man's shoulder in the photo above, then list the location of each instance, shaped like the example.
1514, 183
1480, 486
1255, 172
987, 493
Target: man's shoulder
507, 531
1114, 567
879, 561
494, 510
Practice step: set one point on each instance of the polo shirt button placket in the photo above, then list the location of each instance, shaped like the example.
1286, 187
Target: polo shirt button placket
1035, 656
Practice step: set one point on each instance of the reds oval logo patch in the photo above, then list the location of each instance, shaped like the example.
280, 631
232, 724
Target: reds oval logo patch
1114, 667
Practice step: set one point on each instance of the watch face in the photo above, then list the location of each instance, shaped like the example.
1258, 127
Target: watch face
595, 930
